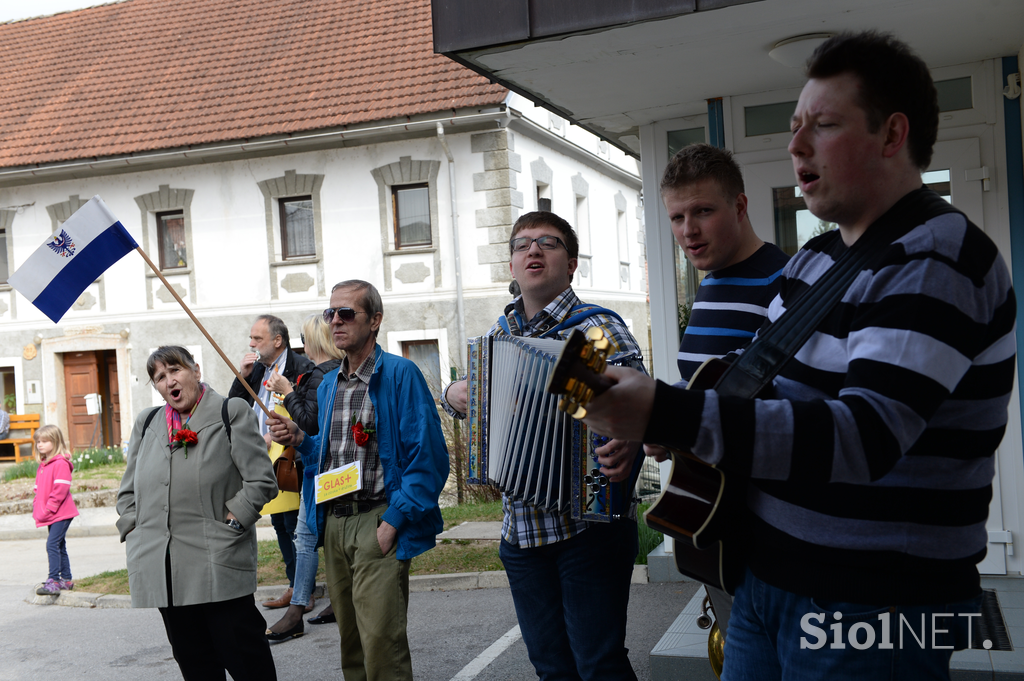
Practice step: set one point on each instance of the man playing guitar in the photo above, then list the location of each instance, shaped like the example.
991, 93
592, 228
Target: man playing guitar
871, 462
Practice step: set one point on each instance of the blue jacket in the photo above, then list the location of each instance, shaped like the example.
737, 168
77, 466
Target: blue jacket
412, 450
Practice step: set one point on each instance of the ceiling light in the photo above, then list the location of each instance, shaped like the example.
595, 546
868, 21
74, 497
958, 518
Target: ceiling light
794, 52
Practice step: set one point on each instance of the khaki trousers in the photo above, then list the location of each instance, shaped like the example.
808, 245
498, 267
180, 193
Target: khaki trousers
370, 595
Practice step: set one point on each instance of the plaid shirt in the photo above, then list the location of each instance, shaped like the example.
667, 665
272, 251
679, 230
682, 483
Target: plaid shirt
526, 525
350, 406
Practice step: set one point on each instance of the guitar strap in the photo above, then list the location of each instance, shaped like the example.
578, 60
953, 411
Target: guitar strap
758, 365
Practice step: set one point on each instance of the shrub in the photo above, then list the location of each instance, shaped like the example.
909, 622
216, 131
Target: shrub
25, 469
93, 458
649, 539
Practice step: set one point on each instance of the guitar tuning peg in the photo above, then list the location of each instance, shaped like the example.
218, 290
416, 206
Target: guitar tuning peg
595, 333
579, 413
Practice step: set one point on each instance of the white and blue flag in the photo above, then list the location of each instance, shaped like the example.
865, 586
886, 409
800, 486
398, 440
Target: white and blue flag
82, 249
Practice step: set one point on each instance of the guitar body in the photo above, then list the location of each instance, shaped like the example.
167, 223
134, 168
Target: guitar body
699, 509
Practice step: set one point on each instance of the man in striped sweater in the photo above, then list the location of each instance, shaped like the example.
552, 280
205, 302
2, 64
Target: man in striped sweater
870, 465
702, 189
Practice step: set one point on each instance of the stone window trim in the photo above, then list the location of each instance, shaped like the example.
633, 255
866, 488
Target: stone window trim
543, 178
7, 224
166, 199
288, 186
296, 261
413, 249
401, 172
170, 272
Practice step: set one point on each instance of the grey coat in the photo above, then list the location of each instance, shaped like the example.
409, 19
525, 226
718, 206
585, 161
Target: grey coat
168, 503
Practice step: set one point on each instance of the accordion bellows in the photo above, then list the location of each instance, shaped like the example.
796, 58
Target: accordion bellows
521, 443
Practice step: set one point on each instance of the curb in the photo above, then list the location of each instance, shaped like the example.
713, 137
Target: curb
459, 581
82, 531
41, 533
453, 582
92, 499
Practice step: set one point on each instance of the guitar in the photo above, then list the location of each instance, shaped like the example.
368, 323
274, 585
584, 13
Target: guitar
697, 508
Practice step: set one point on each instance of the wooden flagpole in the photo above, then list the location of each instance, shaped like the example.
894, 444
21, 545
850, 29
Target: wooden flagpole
216, 347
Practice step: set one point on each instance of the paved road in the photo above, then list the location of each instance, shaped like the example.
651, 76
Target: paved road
463, 635
447, 631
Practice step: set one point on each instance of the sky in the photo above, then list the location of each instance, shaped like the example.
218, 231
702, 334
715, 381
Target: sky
11, 10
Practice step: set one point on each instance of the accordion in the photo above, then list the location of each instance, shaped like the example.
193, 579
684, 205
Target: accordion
520, 442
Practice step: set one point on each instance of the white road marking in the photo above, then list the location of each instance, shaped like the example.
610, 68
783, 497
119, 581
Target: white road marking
471, 670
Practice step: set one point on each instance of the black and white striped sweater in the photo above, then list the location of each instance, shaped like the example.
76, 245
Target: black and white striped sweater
871, 465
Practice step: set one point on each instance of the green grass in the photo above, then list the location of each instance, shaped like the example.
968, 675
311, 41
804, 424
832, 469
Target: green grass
449, 556
107, 462
112, 582
25, 469
463, 513
446, 558
459, 555
102, 472
649, 539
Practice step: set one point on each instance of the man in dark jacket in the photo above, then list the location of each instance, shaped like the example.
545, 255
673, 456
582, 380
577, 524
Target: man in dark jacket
270, 352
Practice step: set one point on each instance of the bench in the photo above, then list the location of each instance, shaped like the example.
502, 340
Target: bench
29, 422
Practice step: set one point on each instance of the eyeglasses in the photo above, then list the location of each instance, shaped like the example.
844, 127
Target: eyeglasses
302, 338
345, 314
547, 242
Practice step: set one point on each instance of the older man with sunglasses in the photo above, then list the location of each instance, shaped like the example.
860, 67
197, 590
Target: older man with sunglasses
376, 409
569, 578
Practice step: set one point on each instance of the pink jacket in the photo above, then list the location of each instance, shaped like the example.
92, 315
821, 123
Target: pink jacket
53, 500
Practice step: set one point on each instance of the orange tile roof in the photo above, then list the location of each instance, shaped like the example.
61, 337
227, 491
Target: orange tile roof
143, 75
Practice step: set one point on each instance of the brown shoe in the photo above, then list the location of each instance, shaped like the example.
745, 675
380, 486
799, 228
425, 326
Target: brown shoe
281, 602
309, 608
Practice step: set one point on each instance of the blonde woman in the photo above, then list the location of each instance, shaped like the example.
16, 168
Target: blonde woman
301, 404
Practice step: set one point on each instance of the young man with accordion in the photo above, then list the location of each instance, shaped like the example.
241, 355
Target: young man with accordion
569, 578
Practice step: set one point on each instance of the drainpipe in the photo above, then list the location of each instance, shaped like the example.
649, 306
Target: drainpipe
460, 308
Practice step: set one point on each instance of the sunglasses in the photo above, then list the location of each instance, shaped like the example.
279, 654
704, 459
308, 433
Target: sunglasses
547, 242
345, 314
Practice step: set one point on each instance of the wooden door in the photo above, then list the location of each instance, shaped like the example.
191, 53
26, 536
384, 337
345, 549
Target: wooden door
81, 377
112, 419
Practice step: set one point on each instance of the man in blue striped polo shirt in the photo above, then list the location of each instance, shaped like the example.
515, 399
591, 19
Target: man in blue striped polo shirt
702, 188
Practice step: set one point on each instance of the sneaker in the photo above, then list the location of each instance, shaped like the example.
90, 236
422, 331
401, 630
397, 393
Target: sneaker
49, 588
66, 585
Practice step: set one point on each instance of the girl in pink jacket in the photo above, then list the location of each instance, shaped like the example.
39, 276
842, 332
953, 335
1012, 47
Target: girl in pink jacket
53, 505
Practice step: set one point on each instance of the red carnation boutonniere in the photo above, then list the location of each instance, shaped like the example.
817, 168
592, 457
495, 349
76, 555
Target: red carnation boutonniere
361, 434
186, 437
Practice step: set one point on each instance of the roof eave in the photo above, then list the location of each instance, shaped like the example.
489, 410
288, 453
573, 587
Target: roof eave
379, 131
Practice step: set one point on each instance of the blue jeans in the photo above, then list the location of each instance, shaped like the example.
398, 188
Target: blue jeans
571, 599
306, 561
57, 550
284, 524
904, 643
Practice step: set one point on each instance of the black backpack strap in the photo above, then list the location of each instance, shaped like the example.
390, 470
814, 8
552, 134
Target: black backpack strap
223, 415
149, 418
225, 418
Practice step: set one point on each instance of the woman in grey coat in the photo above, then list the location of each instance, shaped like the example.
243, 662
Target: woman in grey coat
198, 474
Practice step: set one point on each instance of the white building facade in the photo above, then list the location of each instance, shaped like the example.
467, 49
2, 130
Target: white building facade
238, 232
